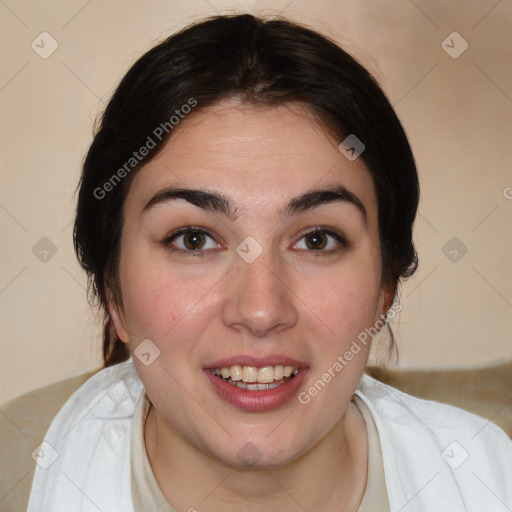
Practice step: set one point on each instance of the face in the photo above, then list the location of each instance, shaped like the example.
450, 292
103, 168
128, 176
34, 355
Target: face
263, 275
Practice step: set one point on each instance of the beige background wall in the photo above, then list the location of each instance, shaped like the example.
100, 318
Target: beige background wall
456, 111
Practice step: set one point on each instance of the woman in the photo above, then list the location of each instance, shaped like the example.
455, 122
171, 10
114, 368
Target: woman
245, 217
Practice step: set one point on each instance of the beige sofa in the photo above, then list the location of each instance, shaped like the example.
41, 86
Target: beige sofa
24, 420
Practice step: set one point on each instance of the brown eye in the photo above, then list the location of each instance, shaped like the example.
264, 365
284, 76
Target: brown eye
316, 240
194, 240
191, 241
323, 240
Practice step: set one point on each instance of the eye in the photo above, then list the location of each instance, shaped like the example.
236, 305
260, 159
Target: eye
192, 240
317, 240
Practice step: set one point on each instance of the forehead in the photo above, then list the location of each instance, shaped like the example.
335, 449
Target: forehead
257, 155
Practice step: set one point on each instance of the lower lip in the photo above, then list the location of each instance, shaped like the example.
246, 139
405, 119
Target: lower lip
257, 401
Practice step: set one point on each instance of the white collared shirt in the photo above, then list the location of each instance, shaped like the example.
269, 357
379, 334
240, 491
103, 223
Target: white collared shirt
435, 457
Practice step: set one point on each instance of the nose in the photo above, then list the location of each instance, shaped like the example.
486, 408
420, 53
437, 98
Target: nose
259, 298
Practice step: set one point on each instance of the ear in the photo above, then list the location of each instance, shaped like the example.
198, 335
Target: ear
117, 315
385, 301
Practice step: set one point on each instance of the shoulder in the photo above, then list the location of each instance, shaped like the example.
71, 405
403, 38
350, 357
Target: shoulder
484, 391
28, 420
88, 439
394, 404
461, 453
23, 423
106, 395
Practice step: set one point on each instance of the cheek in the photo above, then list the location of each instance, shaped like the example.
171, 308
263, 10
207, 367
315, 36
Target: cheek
348, 298
159, 302
345, 313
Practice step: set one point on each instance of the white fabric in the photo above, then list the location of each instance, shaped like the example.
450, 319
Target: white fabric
91, 434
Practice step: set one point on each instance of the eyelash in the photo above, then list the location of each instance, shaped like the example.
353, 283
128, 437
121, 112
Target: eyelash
203, 252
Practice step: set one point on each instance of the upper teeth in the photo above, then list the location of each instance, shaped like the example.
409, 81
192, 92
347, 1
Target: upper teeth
264, 375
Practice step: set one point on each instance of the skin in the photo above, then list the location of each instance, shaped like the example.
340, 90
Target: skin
292, 300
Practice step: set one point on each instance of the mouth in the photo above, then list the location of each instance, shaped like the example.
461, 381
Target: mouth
253, 378
256, 388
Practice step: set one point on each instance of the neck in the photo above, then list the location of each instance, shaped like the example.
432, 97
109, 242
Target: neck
331, 476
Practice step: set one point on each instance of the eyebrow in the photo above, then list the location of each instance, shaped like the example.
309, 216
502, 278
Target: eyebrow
220, 203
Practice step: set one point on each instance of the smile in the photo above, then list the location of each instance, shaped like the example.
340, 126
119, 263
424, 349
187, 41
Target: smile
256, 389
256, 379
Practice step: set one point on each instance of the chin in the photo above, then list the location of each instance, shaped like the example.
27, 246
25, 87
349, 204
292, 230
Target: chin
261, 452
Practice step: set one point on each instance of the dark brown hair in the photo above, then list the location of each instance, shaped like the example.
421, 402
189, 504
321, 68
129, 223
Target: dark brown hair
267, 62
